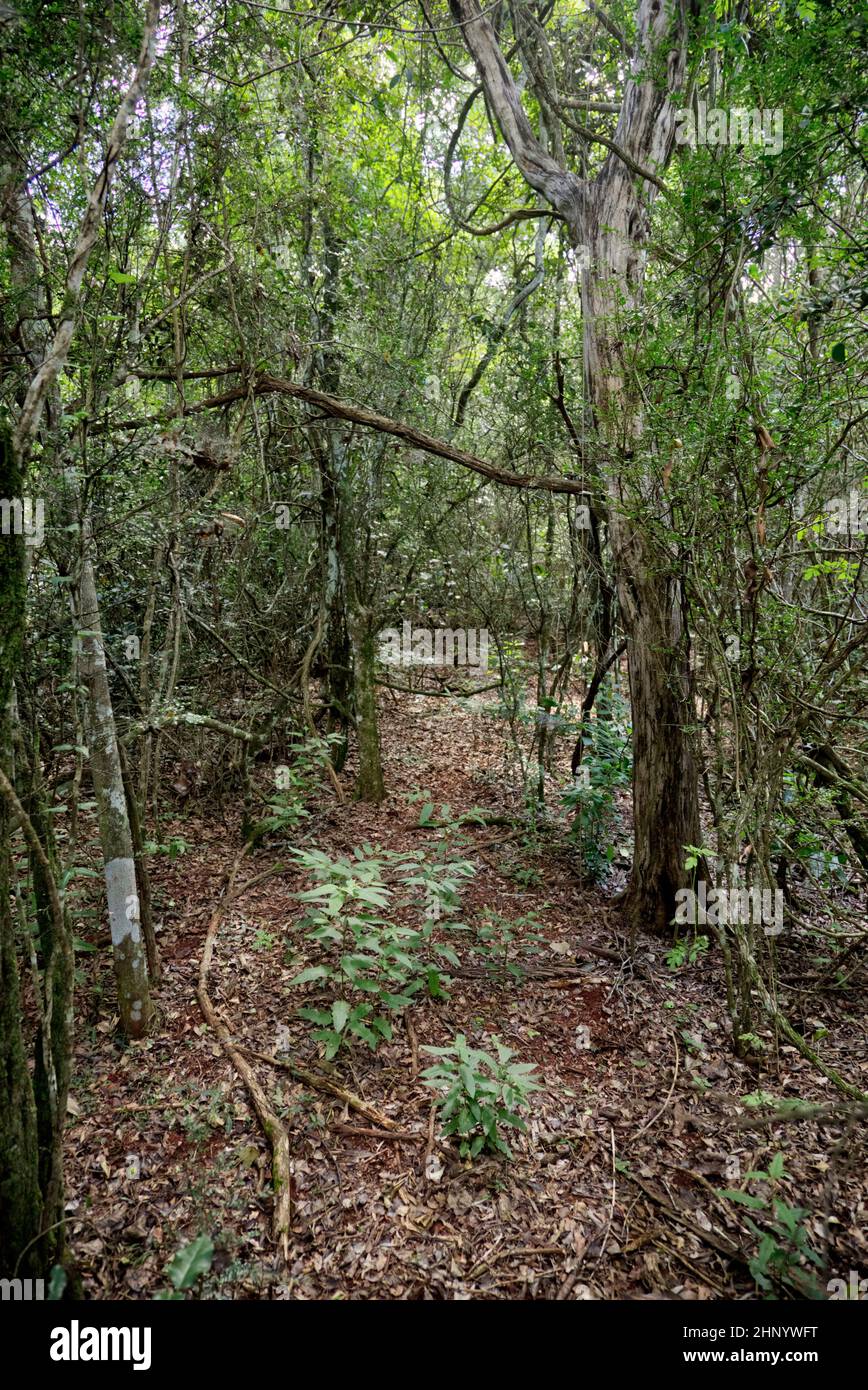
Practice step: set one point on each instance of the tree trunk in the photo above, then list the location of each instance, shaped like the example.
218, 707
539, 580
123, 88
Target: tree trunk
347, 634
369, 782
665, 799
665, 780
128, 947
53, 1055
20, 1196
608, 219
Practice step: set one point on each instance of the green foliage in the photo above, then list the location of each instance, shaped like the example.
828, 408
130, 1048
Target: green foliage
504, 943
187, 1266
481, 1093
784, 1257
173, 848
605, 767
372, 963
297, 781
686, 952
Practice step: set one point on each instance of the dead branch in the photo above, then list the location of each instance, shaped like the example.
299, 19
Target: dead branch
272, 1126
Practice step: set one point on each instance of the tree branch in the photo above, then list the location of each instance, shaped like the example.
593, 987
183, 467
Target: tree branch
338, 409
562, 189
55, 358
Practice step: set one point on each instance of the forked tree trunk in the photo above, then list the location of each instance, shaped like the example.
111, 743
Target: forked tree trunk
608, 219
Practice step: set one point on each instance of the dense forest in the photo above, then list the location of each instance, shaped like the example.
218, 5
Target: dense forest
433, 641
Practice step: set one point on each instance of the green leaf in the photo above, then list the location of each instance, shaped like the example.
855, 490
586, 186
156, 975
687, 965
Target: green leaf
468, 1078
332, 1041
426, 813
743, 1199
320, 1016
190, 1262
340, 1014
396, 1001
448, 954
434, 988
312, 972
362, 1031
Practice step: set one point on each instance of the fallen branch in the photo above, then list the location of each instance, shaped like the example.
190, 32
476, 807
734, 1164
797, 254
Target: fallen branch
204, 721
723, 1245
448, 692
838, 1111
394, 1135
322, 1083
272, 1126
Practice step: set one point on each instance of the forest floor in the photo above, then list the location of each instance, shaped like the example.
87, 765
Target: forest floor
611, 1193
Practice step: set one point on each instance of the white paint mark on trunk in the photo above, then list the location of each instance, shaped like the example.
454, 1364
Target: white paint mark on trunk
123, 902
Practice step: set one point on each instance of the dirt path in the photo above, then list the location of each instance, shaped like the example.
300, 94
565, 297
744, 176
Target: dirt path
611, 1193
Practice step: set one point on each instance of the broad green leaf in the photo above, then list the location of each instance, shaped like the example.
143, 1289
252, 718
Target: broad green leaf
190, 1262
311, 972
743, 1199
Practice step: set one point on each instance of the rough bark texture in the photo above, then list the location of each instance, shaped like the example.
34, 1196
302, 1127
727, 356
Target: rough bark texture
609, 217
53, 966
20, 1197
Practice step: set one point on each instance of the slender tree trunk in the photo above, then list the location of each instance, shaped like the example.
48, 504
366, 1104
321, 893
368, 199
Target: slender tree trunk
54, 952
128, 947
369, 783
336, 642
142, 876
347, 632
20, 1195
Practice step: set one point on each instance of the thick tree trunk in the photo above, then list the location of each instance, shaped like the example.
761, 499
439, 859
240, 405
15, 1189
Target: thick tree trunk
608, 219
665, 799
665, 781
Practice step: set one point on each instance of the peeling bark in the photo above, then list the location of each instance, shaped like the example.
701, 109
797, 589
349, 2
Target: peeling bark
609, 217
